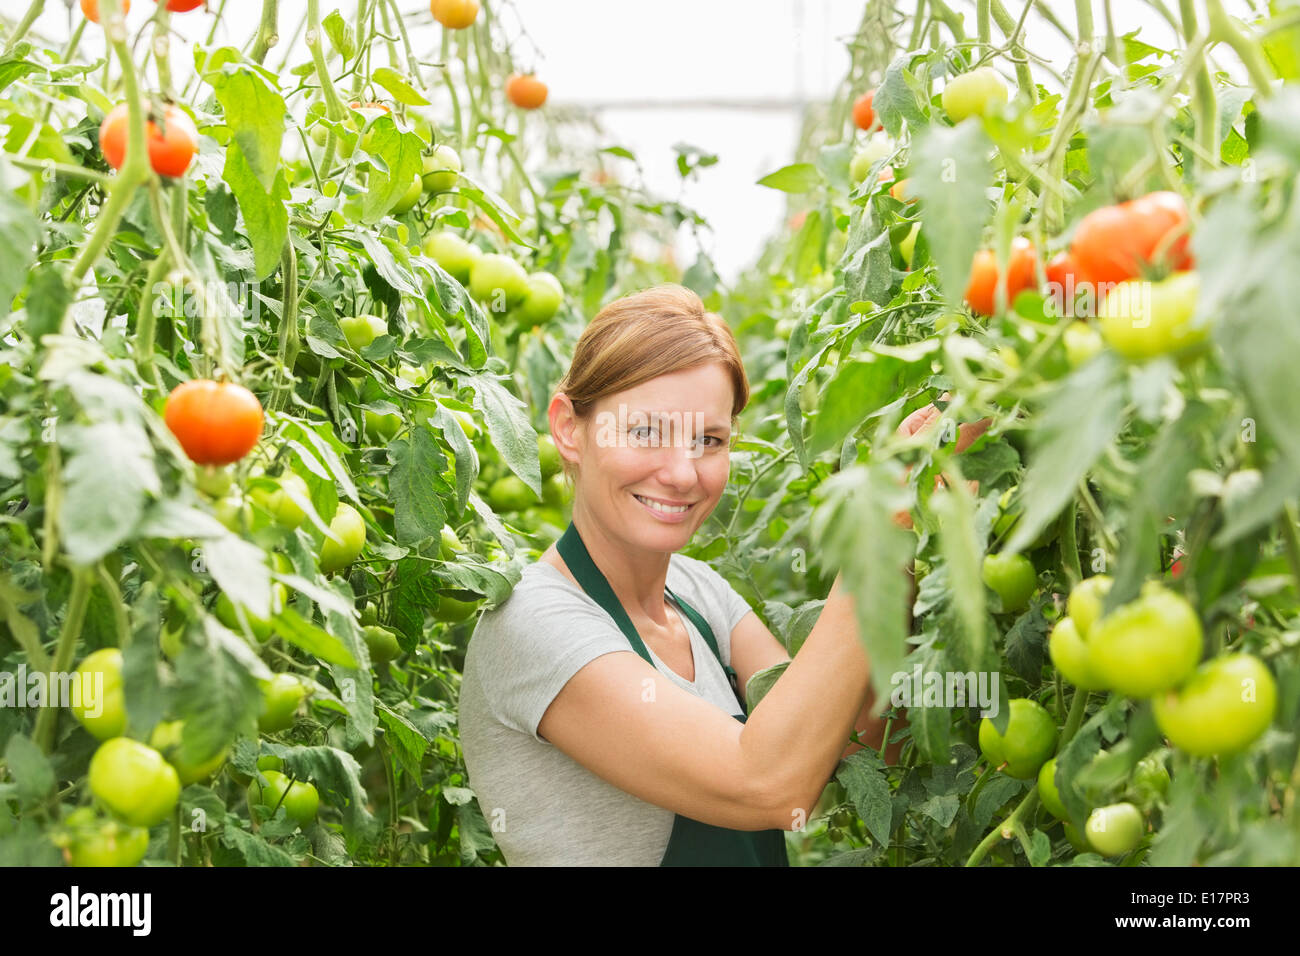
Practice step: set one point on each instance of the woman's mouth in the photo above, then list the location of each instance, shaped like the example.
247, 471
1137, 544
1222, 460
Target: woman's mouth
662, 510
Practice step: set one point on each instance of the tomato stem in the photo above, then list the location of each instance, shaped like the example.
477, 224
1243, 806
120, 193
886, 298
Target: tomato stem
25, 24
267, 31
47, 719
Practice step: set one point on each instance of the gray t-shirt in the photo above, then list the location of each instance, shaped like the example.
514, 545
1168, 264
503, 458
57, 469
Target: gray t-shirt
544, 808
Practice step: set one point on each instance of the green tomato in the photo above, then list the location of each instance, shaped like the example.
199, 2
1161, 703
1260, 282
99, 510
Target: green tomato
262, 628
349, 528
361, 330
1082, 342
1115, 829
555, 491
494, 276
973, 93
1030, 739
96, 841
299, 798
213, 480
100, 704
1048, 793
450, 545
410, 373
1147, 646
281, 696
542, 300
452, 253
382, 643
167, 739
548, 456
1226, 705
452, 610
234, 512
1076, 838
1085, 602
279, 504
1012, 578
409, 198
134, 781
370, 613
510, 494
1069, 655
383, 427
441, 169
1141, 319
1150, 781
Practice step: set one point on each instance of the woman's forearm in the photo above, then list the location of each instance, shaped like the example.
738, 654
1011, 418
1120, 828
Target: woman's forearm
795, 736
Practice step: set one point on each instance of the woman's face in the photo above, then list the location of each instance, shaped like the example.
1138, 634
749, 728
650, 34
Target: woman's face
655, 458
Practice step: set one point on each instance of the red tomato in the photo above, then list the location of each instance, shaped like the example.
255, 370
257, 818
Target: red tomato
183, 6
1115, 243
1021, 274
170, 149
216, 422
1063, 280
864, 116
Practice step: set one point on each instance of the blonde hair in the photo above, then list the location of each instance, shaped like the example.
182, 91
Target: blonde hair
643, 335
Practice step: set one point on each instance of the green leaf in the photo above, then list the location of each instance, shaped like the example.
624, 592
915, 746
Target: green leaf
254, 114
865, 385
417, 488
108, 474
895, 100
1082, 417
402, 91
508, 426
29, 768
949, 173
795, 178
341, 36
861, 775
300, 632
762, 682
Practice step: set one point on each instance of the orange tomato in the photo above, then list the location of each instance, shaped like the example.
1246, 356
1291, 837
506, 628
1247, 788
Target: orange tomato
216, 422
525, 91
1020, 275
90, 9
170, 149
454, 14
864, 116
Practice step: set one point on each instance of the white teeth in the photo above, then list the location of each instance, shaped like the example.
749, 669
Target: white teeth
658, 507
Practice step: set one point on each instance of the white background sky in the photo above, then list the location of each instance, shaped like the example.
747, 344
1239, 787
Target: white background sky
606, 52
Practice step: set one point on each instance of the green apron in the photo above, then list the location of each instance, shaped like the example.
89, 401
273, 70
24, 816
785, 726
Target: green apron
692, 843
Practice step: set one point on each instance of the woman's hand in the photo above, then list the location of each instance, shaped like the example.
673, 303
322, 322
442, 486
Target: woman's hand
925, 417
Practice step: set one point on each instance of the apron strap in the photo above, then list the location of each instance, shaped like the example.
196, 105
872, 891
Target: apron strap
592, 581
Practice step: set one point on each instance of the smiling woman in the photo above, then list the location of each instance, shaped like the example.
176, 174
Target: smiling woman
601, 711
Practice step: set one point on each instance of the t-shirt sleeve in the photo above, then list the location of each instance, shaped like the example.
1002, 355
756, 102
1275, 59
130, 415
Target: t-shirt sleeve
529, 648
